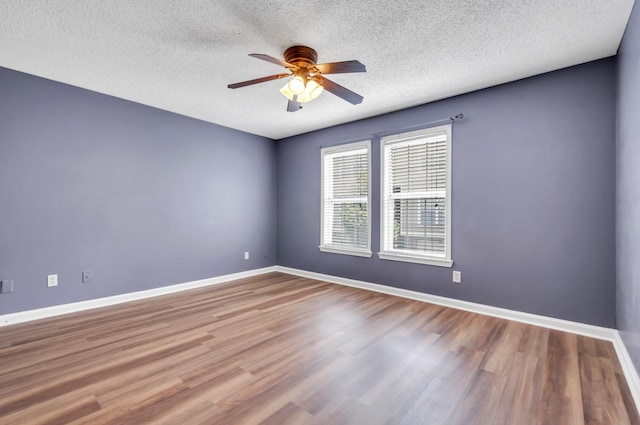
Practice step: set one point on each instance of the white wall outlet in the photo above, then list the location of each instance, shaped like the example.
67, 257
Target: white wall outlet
457, 276
246, 255
52, 280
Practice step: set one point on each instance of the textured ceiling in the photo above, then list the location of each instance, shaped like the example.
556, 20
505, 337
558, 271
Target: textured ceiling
180, 55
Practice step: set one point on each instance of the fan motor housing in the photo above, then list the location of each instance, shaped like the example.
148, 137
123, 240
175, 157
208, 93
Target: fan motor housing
301, 56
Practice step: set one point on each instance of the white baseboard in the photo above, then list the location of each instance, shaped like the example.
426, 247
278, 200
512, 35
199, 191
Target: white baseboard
42, 313
597, 332
629, 370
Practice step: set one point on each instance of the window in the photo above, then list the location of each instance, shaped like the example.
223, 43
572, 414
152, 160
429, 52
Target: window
345, 199
416, 197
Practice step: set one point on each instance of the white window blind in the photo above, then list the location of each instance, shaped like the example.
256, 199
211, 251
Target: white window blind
345, 199
416, 211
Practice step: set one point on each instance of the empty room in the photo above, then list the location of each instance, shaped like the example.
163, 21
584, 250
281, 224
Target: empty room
412, 212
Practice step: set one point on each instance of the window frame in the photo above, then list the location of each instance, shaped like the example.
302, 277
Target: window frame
340, 249
407, 255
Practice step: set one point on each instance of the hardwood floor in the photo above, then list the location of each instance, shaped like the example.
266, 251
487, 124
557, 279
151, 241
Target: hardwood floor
278, 349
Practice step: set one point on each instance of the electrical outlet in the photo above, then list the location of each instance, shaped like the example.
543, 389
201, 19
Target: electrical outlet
86, 277
52, 280
457, 276
246, 255
7, 286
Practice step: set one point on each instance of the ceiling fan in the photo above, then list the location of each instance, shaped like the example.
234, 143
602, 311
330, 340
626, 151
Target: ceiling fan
307, 82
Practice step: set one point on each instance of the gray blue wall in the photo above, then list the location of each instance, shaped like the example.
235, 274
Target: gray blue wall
146, 198
532, 195
141, 197
628, 189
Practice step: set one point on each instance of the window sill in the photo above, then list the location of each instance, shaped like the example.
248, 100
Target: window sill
345, 251
432, 261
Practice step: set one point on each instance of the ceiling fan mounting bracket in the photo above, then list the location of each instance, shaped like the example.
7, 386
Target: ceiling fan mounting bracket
301, 56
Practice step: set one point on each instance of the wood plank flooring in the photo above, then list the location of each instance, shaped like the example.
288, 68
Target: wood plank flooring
279, 349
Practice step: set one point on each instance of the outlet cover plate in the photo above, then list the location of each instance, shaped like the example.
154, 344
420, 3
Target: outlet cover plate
87, 277
457, 276
52, 280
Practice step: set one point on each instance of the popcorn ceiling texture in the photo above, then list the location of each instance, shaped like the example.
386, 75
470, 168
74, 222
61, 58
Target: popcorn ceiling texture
180, 55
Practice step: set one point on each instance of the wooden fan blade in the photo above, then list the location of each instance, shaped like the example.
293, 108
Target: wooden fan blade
294, 105
340, 67
340, 91
273, 60
257, 80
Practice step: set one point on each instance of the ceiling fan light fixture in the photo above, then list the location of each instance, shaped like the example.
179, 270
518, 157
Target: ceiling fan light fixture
314, 88
297, 85
286, 91
311, 91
